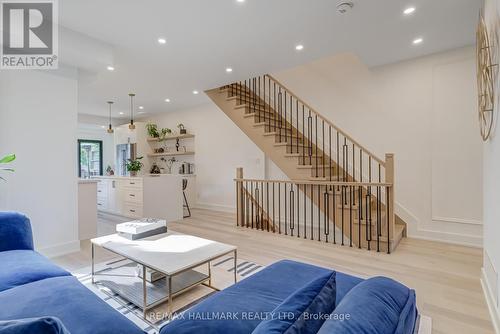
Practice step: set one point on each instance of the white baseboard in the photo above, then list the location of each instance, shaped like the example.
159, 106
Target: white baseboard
215, 207
61, 249
490, 301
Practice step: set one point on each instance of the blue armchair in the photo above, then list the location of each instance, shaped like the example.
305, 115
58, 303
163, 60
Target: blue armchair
33, 287
15, 232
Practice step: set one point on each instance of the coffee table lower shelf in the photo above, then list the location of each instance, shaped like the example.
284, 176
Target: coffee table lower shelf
130, 288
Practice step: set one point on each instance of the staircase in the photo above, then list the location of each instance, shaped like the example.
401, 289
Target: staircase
336, 184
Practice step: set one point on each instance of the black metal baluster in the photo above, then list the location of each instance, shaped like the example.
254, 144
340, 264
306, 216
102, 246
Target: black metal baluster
267, 204
303, 137
388, 220
274, 213
323, 161
316, 142
297, 122
284, 196
378, 218
334, 216
262, 206
330, 152
309, 136
298, 211
312, 213
279, 208
342, 212
326, 210
252, 200
305, 211
319, 213
292, 207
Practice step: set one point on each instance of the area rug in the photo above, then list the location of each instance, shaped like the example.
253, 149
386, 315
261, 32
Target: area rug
120, 270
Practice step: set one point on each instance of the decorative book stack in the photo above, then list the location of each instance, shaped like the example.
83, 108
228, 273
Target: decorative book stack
143, 228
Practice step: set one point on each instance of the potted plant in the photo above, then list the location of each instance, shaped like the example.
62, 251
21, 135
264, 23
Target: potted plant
182, 129
152, 130
110, 171
134, 166
164, 133
5, 160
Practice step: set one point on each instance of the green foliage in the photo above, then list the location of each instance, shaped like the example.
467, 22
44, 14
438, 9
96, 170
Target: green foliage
164, 133
5, 160
134, 165
152, 130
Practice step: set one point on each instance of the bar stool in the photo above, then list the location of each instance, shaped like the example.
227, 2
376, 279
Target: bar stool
186, 204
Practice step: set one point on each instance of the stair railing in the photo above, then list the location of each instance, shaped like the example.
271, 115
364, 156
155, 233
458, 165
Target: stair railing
335, 212
332, 154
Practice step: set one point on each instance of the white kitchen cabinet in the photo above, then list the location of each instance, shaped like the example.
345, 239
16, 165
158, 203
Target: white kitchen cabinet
158, 196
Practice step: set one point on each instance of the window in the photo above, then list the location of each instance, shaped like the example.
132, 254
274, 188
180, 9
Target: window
89, 158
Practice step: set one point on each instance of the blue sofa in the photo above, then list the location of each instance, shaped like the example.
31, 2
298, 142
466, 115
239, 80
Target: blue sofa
374, 306
33, 287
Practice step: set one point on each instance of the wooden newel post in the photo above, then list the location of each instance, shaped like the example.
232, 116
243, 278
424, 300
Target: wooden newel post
240, 215
389, 178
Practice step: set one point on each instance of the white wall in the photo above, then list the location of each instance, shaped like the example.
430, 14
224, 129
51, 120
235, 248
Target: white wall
424, 111
491, 184
220, 147
38, 120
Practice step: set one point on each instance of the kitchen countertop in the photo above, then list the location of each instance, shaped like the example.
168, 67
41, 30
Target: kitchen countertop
85, 181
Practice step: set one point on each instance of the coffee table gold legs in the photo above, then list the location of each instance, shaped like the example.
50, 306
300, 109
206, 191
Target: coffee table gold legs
170, 306
235, 264
92, 263
209, 273
144, 291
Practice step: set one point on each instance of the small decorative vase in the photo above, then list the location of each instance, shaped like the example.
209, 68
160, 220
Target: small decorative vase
183, 131
133, 173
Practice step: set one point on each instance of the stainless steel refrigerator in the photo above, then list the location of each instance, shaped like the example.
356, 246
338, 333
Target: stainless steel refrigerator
124, 152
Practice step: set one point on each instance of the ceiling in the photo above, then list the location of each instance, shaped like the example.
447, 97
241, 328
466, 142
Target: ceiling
253, 37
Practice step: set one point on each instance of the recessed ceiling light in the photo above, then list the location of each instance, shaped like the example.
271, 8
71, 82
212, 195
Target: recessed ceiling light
167, 100
110, 68
141, 107
162, 40
299, 47
409, 10
229, 70
103, 126
121, 113
195, 92
240, 0
418, 40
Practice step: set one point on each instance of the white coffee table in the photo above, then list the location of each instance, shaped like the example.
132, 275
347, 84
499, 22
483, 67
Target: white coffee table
174, 254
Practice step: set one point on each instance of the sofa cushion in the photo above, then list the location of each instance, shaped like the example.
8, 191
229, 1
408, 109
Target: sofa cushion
302, 312
25, 266
15, 231
78, 308
378, 305
45, 325
252, 297
246, 302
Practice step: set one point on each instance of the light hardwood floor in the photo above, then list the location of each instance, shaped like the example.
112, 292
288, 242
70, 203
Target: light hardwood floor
445, 277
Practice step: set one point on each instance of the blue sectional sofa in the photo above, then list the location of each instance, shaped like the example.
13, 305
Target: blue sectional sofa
288, 297
276, 299
33, 287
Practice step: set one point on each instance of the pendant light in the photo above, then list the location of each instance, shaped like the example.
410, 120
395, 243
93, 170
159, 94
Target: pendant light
110, 128
131, 126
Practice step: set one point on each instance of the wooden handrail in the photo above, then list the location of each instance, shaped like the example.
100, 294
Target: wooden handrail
352, 140
320, 183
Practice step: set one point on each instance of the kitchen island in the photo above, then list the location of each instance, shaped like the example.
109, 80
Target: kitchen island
149, 196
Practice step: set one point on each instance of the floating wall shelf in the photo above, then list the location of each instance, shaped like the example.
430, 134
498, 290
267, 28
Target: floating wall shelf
166, 154
187, 135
